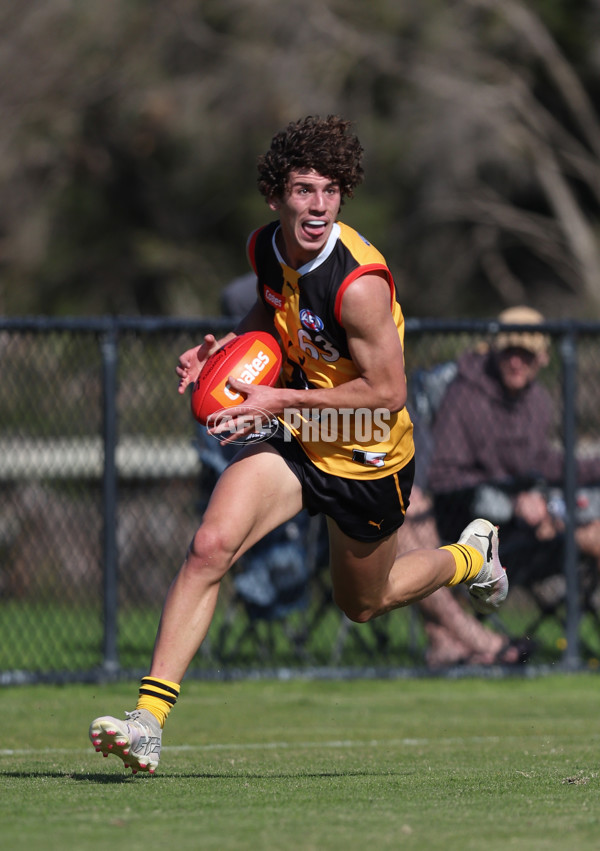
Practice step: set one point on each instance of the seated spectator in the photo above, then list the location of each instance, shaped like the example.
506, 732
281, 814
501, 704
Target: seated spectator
492, 453
454, 635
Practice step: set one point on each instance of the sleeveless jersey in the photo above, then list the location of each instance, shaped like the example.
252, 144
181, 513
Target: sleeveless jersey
306, 306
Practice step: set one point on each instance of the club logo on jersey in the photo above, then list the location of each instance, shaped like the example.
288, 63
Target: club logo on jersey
370, 459
311, 321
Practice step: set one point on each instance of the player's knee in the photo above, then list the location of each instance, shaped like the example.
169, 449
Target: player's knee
210, 550
362, 615
357, 611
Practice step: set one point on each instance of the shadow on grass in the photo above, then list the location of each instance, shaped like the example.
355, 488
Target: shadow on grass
242, 775
96, 777
67, 775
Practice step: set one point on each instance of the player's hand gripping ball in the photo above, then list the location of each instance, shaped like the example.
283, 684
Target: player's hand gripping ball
254, 357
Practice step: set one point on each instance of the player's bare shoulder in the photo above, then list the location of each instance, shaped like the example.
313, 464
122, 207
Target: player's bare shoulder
366, 300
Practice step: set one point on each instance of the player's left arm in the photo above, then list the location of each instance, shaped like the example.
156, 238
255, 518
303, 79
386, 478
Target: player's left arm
374, 343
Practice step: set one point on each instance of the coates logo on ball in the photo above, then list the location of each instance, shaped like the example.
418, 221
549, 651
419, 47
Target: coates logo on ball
254, 358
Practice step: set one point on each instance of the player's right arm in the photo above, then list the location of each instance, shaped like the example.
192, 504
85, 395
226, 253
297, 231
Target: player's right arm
191, 362
258, 318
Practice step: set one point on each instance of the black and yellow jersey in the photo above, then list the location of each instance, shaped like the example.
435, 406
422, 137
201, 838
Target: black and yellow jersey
307, 305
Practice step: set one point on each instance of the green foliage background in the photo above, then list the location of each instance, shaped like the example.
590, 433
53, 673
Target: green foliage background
131, 131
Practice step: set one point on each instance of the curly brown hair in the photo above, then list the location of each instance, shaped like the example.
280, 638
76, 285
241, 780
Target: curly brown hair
322, 144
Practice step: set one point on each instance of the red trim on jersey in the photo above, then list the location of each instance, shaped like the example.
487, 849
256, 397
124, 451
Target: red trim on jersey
358, 273
251, 248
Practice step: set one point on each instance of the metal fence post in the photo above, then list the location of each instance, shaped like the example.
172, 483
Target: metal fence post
568, 350
109, 348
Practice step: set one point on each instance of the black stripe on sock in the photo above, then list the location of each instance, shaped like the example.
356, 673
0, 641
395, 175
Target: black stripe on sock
167, 698
468, 560
149, 681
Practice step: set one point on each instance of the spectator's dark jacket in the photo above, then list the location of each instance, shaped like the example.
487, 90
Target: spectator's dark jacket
483, 434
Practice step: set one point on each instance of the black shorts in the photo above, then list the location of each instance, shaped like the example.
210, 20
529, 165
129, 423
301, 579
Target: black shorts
366, 510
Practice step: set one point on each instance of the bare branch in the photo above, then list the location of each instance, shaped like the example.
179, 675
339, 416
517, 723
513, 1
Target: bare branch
528, 26
509, 288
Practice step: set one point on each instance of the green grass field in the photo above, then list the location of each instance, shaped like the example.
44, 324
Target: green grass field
418, 764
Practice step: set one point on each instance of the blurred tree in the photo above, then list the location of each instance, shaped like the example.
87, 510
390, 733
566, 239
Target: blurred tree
507, 194
132, 127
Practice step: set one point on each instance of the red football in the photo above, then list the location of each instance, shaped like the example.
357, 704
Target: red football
254, 357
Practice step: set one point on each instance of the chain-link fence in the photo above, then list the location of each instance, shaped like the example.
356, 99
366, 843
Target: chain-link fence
103, 479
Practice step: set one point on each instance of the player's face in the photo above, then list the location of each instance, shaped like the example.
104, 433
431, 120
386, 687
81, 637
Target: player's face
518, 367
307, 213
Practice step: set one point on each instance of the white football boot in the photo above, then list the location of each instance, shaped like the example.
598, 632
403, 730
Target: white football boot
136, 740
489, 588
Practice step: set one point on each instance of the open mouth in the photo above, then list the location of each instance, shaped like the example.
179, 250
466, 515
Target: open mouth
314, 228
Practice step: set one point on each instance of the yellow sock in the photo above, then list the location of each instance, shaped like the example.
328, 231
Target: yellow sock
158, 697
469, 562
